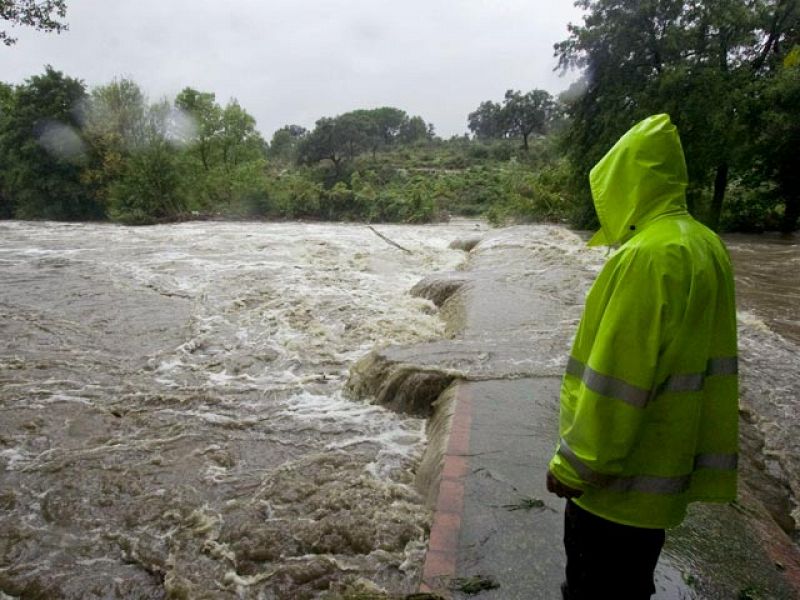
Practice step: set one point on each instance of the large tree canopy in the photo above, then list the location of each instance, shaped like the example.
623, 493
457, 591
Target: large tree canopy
42, 151
284, 143
226, 148
347, 135
44, 15
702, 62
520, 116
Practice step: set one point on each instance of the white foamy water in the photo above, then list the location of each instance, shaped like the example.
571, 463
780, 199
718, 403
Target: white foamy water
173, 407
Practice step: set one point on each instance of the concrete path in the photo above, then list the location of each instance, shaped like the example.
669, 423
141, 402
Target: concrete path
495, 526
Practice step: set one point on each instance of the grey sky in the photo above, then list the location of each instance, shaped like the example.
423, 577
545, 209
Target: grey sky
293, 61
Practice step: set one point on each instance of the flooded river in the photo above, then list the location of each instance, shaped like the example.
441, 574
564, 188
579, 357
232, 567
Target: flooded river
767, 269
173, 419
172, 416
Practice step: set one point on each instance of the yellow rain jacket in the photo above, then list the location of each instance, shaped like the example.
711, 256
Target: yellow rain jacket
649, 398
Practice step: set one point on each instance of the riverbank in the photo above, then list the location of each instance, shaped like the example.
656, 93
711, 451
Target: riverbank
491, 392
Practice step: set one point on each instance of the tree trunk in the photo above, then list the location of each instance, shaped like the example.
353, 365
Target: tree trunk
720, 183
791, 213
525, 141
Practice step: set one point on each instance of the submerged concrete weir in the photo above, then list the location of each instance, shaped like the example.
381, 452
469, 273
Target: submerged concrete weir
490, 394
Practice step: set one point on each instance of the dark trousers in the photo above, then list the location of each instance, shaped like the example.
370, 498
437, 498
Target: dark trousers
608, 560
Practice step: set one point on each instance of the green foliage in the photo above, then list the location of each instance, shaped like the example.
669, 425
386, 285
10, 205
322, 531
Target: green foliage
486, 121
526, 114
150, 187
111, 154
415, 131
520, 116
114, 119
343, 138
44, 16
533, 196
703, 63
752, 209
294, 196
42, 151
284, 144
774, 126
207, 117
225, 153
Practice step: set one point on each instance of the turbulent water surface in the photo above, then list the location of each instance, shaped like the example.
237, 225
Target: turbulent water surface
768, 297
173, 421
172, 416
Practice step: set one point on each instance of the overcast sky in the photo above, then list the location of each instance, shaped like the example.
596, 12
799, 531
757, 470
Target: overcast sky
293, 61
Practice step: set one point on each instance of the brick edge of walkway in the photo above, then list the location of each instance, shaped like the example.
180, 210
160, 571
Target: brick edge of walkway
441, 557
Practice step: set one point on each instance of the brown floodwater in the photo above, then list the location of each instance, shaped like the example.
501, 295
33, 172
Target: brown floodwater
173, 421
768, 279
767, 270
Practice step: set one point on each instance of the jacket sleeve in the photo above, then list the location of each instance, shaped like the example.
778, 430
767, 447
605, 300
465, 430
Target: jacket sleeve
611, 371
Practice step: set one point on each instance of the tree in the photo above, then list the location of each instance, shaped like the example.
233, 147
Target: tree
485, 122
374, 128
775, 129
6, 99
520, 115
696, 60
114, 126
6, 95
42, 151
388, 122
42, 15
415, 130
150, 188
207, 115
335, 139
226, 151
526, 114
340, 139
239, 140
284, 143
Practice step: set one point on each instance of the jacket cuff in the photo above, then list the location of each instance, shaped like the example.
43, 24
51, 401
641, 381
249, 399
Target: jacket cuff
564, 472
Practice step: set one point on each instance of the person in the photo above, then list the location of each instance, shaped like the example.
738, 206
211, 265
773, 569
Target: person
648, 412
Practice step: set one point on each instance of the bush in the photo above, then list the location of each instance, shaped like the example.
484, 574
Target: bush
149, 190
751, 209
533, 195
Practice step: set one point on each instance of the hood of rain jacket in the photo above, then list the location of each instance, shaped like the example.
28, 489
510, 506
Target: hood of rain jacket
641, 177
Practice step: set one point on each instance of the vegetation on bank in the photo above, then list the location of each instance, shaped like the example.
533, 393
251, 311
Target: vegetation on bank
72, 154
728, 73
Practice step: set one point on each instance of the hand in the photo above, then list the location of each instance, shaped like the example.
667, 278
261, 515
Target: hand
562, 490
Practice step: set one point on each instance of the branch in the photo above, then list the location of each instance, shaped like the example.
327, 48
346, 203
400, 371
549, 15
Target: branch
387, 240
775, 31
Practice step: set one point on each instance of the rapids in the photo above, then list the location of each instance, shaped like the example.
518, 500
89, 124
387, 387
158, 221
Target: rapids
175, 420
172, 414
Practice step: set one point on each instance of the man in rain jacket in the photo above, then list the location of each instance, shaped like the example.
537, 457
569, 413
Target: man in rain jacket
649, 415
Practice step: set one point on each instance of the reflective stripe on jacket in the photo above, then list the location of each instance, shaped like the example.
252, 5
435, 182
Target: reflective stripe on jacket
649, 399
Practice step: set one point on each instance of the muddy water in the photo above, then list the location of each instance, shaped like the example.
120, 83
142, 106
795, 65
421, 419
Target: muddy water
173, 423
768, 296
172, 418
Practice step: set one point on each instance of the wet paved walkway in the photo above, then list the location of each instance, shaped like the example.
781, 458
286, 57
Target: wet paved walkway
494, 521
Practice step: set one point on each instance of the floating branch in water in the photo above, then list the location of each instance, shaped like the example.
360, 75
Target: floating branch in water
387, 240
